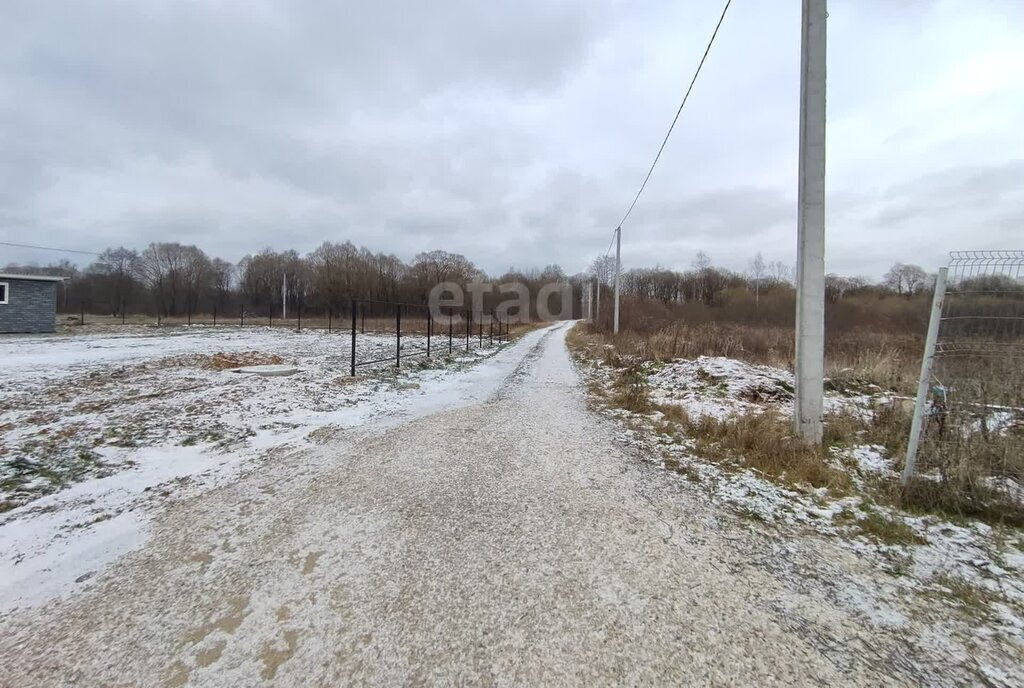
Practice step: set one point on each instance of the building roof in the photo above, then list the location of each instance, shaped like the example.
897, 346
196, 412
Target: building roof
36, 278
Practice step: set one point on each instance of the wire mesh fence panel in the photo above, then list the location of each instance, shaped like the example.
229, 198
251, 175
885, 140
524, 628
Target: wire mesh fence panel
973, 434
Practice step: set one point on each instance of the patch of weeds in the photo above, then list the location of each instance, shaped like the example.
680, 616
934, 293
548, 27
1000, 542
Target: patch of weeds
749, 514
888, 531
841, 430
204, 437
763, 441
959, 499
899, 564
972, 598
631, 391
689, 472
845, 517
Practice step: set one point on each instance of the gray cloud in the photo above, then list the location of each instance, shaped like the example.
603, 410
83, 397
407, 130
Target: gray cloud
516, 134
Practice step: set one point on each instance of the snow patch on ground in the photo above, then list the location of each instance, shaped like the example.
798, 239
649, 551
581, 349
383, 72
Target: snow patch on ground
721, 387
156, 425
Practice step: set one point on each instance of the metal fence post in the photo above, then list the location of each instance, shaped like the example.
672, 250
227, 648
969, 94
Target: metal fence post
480, 328
449, 333
122, 311
328, 321
190, 317
469, 326
81, 312
270, 315
430, 327
214, 315
362, 328
353, 338
926, 375
298, 313
398, 336
241, 317
490, 330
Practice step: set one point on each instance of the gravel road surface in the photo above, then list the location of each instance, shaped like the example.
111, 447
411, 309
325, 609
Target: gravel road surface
509, 542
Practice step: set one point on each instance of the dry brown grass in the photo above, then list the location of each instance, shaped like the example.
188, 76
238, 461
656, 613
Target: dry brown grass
959, 489
887, 425
222, 360
958, 497
973, 599
762, 441
855, 361
869, 340
630, 391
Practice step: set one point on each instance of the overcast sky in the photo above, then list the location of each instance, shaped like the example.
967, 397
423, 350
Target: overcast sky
515, 133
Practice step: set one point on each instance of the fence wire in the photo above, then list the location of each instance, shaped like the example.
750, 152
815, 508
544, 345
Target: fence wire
974, 433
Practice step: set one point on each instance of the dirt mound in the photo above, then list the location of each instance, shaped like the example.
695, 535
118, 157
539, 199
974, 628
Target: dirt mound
225, 360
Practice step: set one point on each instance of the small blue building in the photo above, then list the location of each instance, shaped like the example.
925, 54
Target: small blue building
28, 303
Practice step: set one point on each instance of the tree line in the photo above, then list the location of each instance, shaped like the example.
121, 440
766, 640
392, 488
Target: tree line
705, 283
173, 279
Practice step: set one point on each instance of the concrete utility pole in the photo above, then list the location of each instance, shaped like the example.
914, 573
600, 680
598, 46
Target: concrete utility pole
618, 247
810, 266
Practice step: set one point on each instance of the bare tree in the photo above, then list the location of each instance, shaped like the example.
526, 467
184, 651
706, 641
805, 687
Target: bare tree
779, 271
603, 269
757, 270
905, 279
916, 278
702, 277
701, 261
434, 267
196, 276
221, 276
118, 269
161, 269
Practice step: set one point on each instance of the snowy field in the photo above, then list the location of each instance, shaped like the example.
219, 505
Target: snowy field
95, 429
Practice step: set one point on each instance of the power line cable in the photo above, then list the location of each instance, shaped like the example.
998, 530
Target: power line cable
609, 249
50, 248
678, 112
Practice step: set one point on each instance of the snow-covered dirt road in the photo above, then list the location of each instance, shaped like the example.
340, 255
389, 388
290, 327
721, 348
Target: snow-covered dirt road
507, 540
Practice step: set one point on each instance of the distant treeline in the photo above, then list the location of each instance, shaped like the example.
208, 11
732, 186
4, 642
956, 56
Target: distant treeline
173, 279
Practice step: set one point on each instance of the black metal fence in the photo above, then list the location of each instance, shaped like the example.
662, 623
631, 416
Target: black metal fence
423, 334
416, 331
